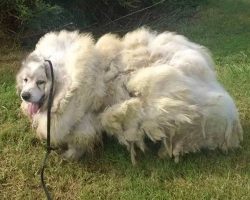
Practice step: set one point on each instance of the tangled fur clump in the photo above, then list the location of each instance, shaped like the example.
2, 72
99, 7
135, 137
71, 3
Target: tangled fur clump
145, 84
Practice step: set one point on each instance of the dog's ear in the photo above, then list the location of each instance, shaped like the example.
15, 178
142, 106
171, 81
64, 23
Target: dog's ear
19, 81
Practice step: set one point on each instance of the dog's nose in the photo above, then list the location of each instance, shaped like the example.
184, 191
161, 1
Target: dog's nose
26, 96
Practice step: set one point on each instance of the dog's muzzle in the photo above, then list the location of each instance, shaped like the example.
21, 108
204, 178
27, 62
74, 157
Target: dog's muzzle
33, 107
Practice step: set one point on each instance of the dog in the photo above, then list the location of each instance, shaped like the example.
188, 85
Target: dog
159, 86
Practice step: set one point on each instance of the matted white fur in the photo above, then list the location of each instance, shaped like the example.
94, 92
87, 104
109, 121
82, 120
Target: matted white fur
145, 84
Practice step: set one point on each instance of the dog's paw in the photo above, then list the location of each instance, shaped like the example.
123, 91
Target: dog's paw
72, 154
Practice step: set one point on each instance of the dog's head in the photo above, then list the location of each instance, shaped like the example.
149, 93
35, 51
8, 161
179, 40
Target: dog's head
33, 84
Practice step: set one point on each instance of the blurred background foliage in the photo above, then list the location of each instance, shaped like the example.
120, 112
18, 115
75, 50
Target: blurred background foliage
25, 20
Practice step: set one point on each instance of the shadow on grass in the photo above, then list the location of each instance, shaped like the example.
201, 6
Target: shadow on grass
116, 160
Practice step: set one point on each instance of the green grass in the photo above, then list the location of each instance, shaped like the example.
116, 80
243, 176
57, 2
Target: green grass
222, 26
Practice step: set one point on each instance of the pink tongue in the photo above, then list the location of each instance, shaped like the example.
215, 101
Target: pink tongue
33, 108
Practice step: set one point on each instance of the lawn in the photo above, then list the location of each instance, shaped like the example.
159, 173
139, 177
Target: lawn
224, 27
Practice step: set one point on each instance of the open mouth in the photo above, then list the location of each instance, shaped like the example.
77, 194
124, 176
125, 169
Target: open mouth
34, 108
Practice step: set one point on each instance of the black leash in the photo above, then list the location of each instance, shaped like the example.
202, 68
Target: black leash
48, 147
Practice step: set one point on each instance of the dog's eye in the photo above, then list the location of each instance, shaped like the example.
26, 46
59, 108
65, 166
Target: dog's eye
25, 80
40, 82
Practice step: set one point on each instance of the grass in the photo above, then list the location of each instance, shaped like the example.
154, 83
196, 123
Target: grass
222, 26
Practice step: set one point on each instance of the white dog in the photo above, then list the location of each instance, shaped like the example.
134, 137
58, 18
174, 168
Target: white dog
146, 84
